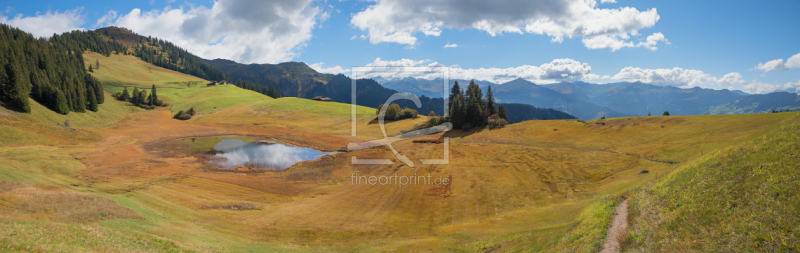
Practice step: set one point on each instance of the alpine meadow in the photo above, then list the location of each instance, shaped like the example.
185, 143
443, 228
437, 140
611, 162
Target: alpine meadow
399, 126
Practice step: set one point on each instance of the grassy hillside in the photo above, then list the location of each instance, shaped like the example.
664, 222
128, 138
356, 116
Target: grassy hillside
742, 198
44, 126
120, 70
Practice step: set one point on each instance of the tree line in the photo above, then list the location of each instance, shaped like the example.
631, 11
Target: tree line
51, 72
140, 97
169, 56
263, 89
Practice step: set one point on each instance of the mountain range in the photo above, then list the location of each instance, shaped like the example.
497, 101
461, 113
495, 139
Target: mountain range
579, 99
592, 101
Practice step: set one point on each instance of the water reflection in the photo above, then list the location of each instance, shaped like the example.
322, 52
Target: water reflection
278, 157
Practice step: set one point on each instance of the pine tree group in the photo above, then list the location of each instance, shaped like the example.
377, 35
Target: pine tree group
468, 108
51, 72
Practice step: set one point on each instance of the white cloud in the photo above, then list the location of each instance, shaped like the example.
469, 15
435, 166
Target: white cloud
47, 24
684, 78
450, 45
608, 1
554, 71
320, 67
778, 64
106, 19
248, 31
399, 21
730, 79
763, 88
652, 41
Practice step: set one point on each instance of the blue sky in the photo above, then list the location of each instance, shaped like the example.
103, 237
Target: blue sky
711, 44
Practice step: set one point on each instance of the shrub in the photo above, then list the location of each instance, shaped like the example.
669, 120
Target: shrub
190, 111
181, 115
433, 121
466, 127
666, 113
407, 113
394, 112
496, 122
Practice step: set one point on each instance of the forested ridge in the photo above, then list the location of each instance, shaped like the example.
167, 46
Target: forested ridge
51, 71
169, 56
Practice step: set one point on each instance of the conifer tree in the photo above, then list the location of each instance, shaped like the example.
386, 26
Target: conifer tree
125, 96
62, 106
135, 97
490, 101
154, 96
501, 112
454, 91
92, 100
474, 104
16, 88
457, 110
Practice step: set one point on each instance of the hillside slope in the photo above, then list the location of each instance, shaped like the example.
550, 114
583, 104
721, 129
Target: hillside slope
742, 198
117, 71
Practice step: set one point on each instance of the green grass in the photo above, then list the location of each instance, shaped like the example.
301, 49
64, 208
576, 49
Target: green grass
36, 236
207, 100
44, 126
742, 198
333, 109
129, 71
588, 232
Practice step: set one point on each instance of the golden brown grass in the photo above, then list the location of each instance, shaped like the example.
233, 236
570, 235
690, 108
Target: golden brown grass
524, 187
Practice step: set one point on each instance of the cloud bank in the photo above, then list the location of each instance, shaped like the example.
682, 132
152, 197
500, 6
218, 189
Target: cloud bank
554, 71
47, 24
763, 88
246, 31
778, 64
400, 21
679, 77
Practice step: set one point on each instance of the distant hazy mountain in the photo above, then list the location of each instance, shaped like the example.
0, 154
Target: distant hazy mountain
639, 98
588, 101
518, 91
420, 87
525, 92
760, 104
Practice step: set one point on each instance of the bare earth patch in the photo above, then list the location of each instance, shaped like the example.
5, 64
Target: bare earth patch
618, 230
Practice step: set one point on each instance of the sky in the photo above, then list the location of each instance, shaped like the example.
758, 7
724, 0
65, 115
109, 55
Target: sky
743, 45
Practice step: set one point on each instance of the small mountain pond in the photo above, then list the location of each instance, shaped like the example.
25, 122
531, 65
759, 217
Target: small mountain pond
278, 157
